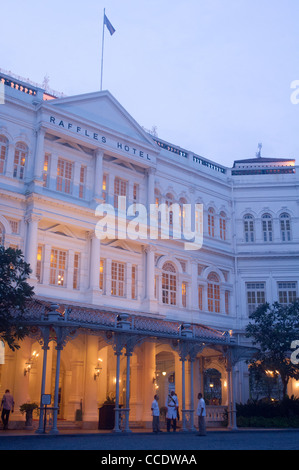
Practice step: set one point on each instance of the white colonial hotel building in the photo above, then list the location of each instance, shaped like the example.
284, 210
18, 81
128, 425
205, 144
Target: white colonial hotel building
122, 317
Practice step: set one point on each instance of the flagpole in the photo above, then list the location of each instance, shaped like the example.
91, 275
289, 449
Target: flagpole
102, 51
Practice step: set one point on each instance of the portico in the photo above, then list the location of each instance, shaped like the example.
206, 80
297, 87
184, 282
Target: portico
131, 376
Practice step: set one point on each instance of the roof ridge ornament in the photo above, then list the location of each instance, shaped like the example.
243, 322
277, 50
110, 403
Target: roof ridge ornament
259, 152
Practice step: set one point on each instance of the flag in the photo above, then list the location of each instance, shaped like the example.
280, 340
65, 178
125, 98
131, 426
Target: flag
109, 25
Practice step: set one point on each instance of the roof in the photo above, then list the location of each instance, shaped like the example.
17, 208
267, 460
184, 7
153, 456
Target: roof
89, 317
264, 160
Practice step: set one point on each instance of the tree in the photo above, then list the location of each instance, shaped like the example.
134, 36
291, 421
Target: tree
274, 329
14, 293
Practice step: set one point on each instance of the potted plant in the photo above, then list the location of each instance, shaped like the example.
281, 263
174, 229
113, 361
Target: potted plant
28, 409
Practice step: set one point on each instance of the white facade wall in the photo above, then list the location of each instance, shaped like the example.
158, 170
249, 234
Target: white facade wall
94, 131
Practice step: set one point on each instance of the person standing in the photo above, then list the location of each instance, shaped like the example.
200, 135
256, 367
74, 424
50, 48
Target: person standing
156, 415
172, 405
201, 413
7, 406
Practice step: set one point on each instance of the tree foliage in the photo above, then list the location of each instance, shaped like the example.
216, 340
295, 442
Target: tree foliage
14, 293
273, 329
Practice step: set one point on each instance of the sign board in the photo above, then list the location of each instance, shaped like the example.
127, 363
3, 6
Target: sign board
46, 399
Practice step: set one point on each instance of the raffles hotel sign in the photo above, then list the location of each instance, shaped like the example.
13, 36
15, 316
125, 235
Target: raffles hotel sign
101, 138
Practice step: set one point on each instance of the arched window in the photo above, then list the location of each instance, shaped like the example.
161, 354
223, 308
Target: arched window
3, 152
285, 227
169, 284
249, 228
213, 293
21, 153
267, 228
211, 222
2, 235
222, 225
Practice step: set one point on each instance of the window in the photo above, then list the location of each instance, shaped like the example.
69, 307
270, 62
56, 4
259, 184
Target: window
182, 203
58, 267
285, 227
169, 284
134, 282
120, 189
3, 152
267, 228
46, 169
287, 292
184, 294
104, 188
117, 279
211, 222
249, 228
64, 176
157, 197
82, 181
14, 226
39, 263
213, 293
255, 295
102, 275
200, 297
222, 225
21, 153
135, 193
76, 274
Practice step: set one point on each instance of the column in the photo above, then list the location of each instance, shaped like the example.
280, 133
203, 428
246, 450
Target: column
150, 186
108, 277
70, 269
54, 429
95, 256
45, 348
127, 411
90, 398
76, 180
194, 285
232, 415
150, 272
32, 241
192, 427
149, 367
183, 394
117, 409
98, 176
39, 155
128, 292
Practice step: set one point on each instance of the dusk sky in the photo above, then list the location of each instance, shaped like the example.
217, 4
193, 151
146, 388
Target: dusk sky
214, 76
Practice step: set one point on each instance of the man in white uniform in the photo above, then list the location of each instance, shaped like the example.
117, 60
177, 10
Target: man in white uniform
201, 413
156, 415
172, 405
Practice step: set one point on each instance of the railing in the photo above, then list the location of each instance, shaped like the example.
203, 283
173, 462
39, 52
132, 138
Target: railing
215, 414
